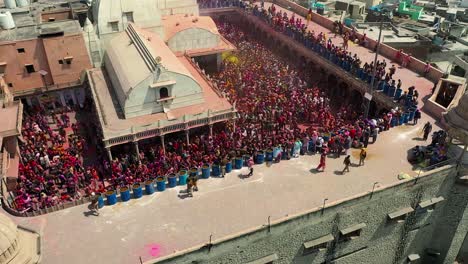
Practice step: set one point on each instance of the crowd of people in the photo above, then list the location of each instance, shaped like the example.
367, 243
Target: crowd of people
279, 109
51, 170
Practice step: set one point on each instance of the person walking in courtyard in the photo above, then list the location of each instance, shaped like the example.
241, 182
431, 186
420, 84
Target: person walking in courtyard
426, 130
346, 162
322, 163
250, 165
362, 156
95, 203
417, 116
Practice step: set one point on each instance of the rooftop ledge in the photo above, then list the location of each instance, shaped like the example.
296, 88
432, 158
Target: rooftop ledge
264, 260
352, 229
431, 202
318, 241
401, 212
166, 99
162, 84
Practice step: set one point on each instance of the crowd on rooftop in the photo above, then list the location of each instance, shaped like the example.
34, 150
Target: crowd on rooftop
279, 108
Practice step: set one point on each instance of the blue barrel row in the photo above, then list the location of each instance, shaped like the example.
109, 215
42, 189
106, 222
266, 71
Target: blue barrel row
170, 181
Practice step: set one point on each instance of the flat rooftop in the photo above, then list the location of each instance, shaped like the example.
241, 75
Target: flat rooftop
115, 124
33, 31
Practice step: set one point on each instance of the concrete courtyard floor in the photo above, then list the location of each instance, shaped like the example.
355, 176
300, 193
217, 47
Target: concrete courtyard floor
165, 223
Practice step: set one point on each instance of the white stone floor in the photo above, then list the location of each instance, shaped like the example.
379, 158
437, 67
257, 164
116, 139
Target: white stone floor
163, 223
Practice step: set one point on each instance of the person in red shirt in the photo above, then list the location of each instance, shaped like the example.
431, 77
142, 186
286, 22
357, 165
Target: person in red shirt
322, 164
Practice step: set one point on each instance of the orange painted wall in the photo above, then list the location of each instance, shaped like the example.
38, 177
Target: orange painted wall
44, 54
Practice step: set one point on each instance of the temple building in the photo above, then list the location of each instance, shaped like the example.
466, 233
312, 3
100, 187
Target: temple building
151, 82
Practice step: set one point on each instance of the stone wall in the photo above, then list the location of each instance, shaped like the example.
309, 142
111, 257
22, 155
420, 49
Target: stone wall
381, 240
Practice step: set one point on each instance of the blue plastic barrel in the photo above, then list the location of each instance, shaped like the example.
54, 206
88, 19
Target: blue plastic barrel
260, 157
100, 201
398, 94
216, 170
183, 177
137, 191
206, 171
229, 167
238, 163
393, 122
160, 184
269, 155
391, 91
111, 197
246, 160
406, 117
386, 86
172, 179
124, 194
149, 187
193, 172
412, 111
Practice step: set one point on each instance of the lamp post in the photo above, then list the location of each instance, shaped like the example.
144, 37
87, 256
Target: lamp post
368, 96
373, 188
323, 207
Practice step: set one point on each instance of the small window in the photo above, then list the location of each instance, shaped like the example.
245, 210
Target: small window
10, 85
129, 16
29, 68
163, 93
51, 19
60, 61
68, 59
115, 26
21, 50
2, 68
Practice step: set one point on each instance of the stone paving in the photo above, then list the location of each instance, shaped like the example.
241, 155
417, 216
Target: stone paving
164, 223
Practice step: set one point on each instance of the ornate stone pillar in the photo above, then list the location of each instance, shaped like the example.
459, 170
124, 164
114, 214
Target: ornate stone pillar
137, 149
109, 153
187, 136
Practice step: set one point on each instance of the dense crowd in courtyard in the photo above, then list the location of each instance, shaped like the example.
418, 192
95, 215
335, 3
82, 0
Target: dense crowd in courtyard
279, 108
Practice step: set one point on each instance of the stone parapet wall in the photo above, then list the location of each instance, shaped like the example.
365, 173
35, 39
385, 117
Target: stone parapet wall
381, 240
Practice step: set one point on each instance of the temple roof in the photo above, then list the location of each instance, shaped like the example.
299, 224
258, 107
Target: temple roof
136, 54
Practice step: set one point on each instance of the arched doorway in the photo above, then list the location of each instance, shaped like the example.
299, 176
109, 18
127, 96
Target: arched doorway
373, 109
356, 98
163, 93
332, 83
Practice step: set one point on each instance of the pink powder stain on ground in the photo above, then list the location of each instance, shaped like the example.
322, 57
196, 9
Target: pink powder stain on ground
154, 250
